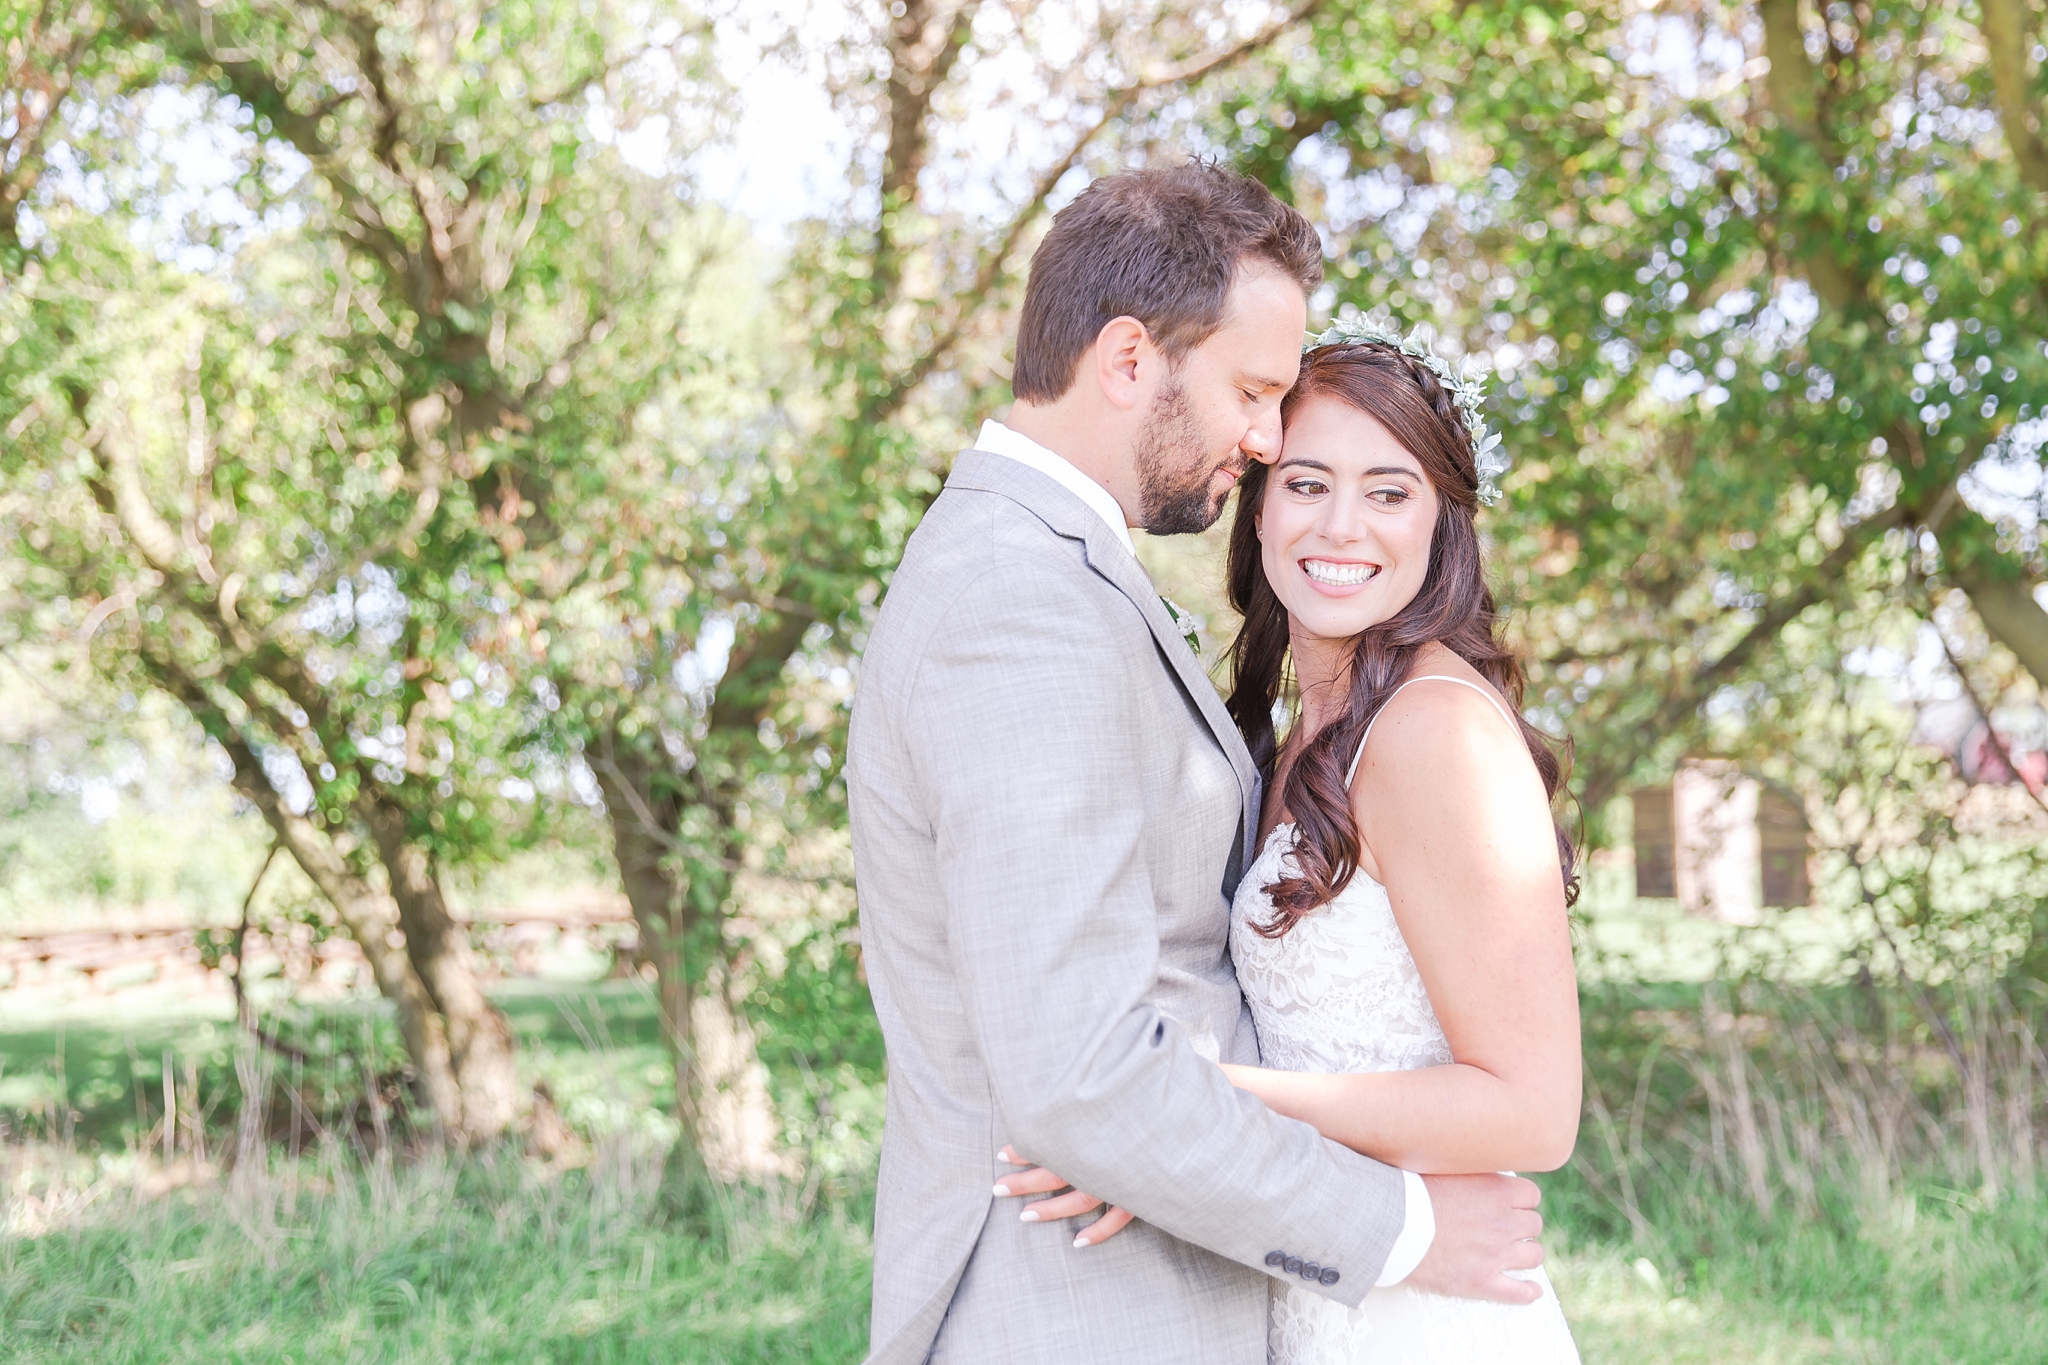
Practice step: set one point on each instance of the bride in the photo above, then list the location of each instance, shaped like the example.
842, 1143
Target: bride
1402, 937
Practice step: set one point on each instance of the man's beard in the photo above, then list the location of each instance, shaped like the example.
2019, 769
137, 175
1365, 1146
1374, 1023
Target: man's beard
1175, 470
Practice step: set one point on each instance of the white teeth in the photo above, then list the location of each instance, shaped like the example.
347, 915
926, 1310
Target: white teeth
1338, 575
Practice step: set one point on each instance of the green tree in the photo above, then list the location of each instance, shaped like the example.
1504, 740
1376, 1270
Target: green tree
456, 460
299, 490
1763, 287
900, 295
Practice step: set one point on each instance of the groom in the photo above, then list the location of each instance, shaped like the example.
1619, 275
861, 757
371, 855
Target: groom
1051, 811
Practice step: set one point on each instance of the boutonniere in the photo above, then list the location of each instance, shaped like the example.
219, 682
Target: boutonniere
1189, 623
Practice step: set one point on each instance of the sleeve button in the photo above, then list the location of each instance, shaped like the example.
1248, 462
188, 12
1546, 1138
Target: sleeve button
1292, 1265
1310, 1270
1276, 1258
1329, 1275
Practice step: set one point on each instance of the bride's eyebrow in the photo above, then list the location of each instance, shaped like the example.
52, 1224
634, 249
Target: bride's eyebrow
1380, 469
1303, 461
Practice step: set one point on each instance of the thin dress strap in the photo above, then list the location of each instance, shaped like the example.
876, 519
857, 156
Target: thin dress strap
1427, 677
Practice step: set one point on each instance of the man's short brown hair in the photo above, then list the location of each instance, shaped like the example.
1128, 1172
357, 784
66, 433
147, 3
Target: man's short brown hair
1162, 246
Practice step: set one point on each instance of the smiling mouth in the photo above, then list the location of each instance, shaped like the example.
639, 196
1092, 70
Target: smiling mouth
1336, 575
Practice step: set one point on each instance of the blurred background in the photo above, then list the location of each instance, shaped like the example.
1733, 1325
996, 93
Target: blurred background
450, 454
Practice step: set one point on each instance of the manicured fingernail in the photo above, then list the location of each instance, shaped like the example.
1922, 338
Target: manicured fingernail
1080, 1242
1028, 1216
1002, 1191
1004, 1155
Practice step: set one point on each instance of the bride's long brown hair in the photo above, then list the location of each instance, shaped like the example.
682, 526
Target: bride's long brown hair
1453, 607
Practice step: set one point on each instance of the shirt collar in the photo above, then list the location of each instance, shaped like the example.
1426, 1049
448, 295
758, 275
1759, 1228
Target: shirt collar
997, 439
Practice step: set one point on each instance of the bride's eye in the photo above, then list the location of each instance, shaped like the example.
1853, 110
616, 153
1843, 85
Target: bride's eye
1308, 488
1390, 497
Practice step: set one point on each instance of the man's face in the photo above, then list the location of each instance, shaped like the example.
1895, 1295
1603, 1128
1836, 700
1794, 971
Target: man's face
1221, 408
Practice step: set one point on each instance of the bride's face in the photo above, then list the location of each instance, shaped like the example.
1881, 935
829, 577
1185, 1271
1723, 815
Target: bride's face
1345, 523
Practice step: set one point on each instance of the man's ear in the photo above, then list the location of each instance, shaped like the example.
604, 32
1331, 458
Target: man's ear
1124, 357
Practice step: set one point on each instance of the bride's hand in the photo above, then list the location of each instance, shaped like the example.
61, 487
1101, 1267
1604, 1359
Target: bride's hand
1038, 1180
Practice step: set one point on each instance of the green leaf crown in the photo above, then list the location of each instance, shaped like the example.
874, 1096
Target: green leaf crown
1489, 461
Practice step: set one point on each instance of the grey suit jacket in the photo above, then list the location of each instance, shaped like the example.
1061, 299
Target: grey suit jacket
1050, 813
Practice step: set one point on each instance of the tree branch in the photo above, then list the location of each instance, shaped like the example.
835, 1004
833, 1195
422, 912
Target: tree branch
747, 690
1978, 703
152, 535
2007, 27
23, 147
914, 80
1692, 691
2010, 611
251, 82
1793, 87
1792, 77
912, 85
993, 264
622, 784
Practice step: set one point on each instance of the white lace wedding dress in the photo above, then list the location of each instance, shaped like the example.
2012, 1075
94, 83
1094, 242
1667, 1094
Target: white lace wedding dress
1339, 992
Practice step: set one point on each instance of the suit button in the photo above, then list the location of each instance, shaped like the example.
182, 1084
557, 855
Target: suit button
1329, 1275
1292, 1265
1309, 1270
1276, 1258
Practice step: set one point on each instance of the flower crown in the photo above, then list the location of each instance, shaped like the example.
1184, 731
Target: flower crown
1489, 461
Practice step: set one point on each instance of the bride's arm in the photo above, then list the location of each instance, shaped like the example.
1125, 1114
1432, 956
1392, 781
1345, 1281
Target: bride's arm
1458, 829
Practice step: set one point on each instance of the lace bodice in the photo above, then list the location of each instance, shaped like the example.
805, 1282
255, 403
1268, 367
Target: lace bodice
1340, 991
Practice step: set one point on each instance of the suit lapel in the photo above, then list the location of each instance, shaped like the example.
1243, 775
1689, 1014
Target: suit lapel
1070, 517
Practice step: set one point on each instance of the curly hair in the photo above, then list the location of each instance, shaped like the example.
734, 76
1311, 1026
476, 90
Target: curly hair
1453, 607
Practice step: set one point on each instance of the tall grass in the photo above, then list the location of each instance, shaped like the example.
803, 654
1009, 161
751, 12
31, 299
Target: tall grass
285, 1207
490, 1258
1766, 1172
1864, 1158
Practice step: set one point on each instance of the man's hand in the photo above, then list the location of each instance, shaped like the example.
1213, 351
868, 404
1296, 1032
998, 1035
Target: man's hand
1485, 1225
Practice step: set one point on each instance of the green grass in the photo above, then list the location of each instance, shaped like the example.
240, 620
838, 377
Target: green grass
1940, 1280
325, 1251
503, 1261
489, 1261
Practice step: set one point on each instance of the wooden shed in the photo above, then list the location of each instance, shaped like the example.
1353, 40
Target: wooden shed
1721, 841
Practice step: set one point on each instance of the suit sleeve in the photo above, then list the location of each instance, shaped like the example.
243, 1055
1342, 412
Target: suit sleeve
1025, 737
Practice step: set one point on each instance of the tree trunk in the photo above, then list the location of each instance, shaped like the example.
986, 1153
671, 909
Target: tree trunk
1795, 83
479, 1040
2013, 615
460, 1046
721, 1090
371, 919
645, 810
370, 916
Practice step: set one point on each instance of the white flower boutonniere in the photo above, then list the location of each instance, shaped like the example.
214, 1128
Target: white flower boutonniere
1189, 623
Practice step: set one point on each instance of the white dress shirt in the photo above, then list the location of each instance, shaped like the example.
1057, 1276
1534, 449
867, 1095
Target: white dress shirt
1418, 1230
1418, 1227
997, 439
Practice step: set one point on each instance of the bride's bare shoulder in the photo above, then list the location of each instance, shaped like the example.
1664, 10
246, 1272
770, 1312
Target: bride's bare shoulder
1448, 797
1433, 719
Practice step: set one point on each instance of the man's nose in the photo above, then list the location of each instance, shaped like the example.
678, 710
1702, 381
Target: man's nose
1262, 441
